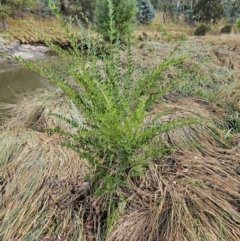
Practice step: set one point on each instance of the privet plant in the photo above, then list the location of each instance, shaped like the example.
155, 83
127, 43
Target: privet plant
115, 137
123, 14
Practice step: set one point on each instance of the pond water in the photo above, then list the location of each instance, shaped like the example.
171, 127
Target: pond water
16, 80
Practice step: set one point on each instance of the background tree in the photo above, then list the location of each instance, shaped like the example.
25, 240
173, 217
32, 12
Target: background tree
12, 7
145, 12
5, 11
174, 8
15, 5
123, 17
208, 11
167, 7
155, 3
231, 9
86, 7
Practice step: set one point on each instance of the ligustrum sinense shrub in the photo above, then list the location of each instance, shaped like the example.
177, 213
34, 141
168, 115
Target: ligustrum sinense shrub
115, 138
202, 30
226, 29
122, 14
145, 13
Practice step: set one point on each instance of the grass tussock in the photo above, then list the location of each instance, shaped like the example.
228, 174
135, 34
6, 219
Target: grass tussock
141, 194
197, 201
230, 40
204, 137
41, 183
18, 28
40, 110
228, 97
189, 196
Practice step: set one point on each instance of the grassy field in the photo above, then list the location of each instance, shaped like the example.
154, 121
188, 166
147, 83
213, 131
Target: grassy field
191, 193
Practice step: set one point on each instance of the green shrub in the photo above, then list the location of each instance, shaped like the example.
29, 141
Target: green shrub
155, 3
226, 29
233, 123
238, 23
5, 11
122, 13
202, 30
145, 12
43, 9
116, 139
87, 7
13, 7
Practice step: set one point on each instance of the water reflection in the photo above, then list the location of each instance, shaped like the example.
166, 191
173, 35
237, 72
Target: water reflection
17, 80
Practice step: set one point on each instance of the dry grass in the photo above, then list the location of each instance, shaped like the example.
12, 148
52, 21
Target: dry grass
41, 183
204, 137
228, 97
190, 196
175, 28
193, 196
199, 201
24, 31
37, 110
232, 41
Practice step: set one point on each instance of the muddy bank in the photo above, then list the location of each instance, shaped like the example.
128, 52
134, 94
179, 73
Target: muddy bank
17, 49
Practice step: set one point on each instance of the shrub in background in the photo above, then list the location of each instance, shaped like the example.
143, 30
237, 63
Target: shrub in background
155, 3
188, 14
13, 7
145, 12
202, 30
115, 139
43, 9
238, 23
86, 7
123, 14
208, 12
17, 5
231, 9
226, 29
5, 11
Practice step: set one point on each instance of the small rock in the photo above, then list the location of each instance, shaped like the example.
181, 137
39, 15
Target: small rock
209, 184
238, 170
223, 175
170, 160
43, 49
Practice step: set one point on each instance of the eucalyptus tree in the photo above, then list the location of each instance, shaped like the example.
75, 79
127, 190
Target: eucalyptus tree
231, 9
174, 8
208, 11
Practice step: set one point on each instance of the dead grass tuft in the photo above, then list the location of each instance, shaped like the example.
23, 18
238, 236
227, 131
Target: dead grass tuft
228, 97
38, 110
195, 198
41, 183
187, 197
203, 137
230, 40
